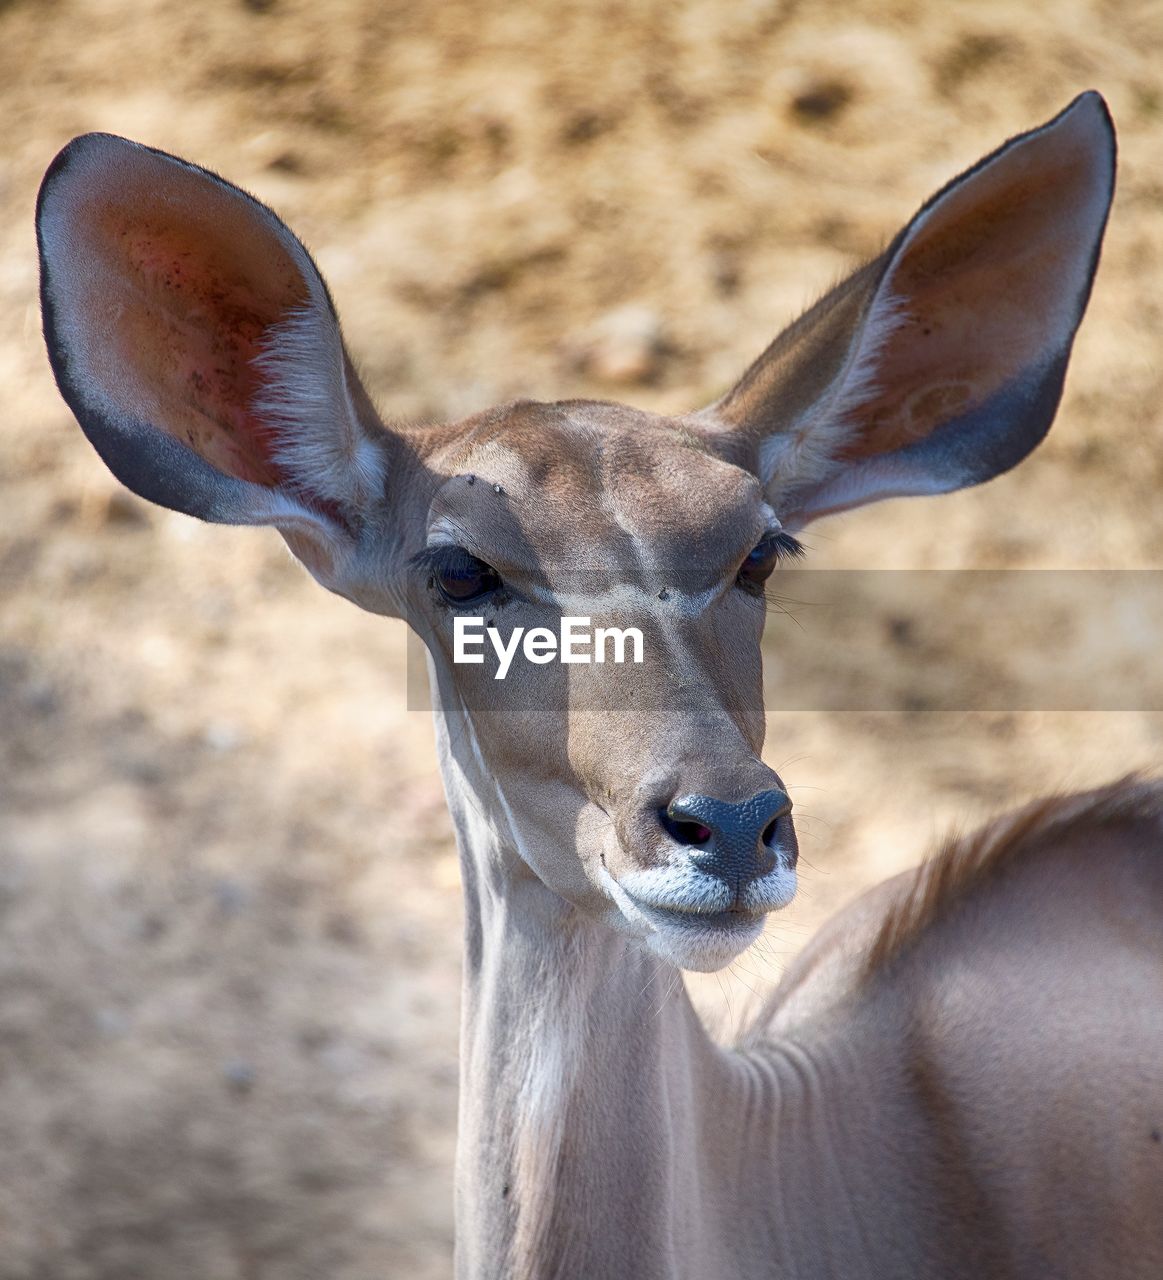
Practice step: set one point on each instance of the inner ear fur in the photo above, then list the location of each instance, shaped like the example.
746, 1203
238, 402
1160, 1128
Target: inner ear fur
939, 364
196, 342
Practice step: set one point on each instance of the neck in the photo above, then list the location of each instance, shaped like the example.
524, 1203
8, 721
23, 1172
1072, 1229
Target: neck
583, 1073
602, 1133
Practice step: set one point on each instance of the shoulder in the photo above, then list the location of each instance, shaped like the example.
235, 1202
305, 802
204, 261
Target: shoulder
1062, 838
1040, 869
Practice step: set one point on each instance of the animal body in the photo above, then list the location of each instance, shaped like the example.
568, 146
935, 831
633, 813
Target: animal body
961, 1075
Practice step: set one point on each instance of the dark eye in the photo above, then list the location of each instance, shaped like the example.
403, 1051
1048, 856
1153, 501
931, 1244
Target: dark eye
459, 577
765, 555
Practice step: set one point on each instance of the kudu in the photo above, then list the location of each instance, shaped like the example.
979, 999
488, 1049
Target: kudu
961, 1075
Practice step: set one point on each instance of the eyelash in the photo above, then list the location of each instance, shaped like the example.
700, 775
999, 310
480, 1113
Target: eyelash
431, 561
788, 547
779, 548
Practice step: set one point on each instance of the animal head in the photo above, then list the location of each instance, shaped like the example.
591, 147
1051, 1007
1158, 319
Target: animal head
198, 346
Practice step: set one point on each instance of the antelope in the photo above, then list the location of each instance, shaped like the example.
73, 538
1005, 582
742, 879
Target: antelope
961, 1075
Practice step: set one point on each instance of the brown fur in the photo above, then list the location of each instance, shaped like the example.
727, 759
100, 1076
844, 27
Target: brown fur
964, 864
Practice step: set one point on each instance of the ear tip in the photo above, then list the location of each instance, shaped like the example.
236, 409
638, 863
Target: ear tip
1092, 101
85, 147
60, 162
99, 150
85, 143
1090, 111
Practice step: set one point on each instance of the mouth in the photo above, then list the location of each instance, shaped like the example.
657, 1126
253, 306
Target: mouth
693, 930
736, 920
702, 941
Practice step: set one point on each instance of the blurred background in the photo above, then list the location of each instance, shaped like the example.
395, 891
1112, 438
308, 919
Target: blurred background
229, 901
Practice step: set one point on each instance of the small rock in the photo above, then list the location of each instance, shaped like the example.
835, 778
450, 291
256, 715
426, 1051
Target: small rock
582, 127
286, 162
122, 508
725, 272
821, 99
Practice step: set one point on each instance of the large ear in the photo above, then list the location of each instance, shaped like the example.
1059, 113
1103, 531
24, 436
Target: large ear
940, 364
196, 342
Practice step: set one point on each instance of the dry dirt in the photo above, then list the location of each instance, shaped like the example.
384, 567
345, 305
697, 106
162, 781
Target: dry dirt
229, 911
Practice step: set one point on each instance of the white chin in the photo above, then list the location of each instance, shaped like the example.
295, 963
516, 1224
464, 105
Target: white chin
703, 948
688, 940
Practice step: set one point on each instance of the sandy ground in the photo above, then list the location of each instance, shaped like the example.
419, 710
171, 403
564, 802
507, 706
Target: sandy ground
229, 907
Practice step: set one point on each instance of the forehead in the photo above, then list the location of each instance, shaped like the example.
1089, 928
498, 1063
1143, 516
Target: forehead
590, 485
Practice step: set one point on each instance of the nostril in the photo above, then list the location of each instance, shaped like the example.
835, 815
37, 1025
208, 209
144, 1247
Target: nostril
684, 830
735, 840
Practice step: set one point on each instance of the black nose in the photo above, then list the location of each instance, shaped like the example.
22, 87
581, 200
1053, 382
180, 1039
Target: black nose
737, 842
